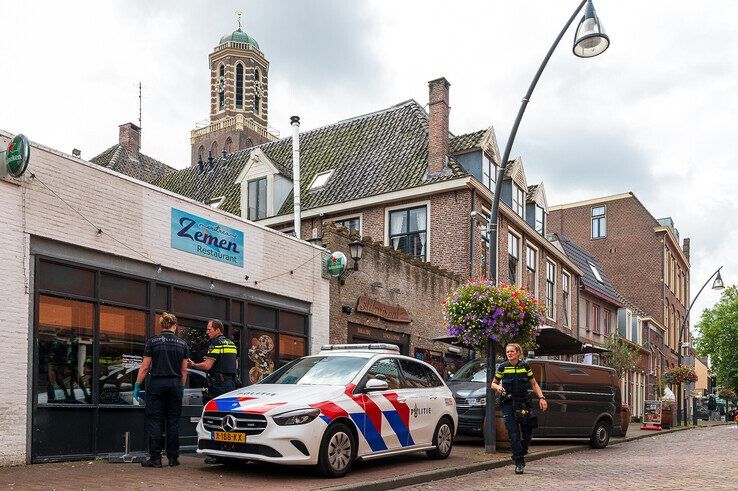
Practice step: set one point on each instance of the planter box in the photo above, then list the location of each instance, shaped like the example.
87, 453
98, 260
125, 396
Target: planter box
624, 418
502, 441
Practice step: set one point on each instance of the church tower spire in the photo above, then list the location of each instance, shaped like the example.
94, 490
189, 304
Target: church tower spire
239, 98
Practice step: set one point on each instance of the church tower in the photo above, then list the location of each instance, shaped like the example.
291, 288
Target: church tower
239, 98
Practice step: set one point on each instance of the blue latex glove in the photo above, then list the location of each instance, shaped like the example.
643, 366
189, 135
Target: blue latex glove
136, 390
181, 391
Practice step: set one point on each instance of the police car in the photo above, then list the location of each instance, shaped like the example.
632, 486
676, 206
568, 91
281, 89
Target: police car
349, 401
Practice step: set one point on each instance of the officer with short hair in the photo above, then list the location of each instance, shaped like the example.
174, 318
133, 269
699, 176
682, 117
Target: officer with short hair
165, 357
512, 380
221, 362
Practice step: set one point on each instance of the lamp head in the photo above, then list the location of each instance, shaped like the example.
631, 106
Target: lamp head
718, 283
590, 38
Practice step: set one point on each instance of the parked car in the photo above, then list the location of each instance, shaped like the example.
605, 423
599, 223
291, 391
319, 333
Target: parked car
703, 413
583, 400
348, 402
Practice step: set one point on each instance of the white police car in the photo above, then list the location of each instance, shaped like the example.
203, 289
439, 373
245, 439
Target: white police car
347, 402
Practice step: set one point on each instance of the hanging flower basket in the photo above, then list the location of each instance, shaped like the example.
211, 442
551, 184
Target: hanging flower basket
480, 310
680, 375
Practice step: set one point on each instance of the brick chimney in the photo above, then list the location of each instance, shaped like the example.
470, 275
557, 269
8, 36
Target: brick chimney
438, 131
685, 247
130, 137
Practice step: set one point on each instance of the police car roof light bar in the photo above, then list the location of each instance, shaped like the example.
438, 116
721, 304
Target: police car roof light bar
382, 346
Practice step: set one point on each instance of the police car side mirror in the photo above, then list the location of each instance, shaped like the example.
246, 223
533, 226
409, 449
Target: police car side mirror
373, 385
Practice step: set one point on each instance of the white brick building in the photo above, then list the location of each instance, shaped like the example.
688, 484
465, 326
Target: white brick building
69, 353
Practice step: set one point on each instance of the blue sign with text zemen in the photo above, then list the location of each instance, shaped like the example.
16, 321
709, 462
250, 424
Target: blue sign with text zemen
199, 236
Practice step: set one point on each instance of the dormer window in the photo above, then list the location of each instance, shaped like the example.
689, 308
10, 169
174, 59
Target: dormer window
595, 271
518, 201
320, 180
257, 196
215, 202
540, 219
489, 172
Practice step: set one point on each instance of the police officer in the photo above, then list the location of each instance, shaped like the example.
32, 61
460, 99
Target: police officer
165, 357
221, 362
512, 380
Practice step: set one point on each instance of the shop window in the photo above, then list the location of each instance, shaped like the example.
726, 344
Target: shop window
261, 355
290, 322
415, 376
237, 312
123, 290
161, 297
65, 279
192, 331
199, 304
64, 331
122, 340
259, 316
386, 370
290, 348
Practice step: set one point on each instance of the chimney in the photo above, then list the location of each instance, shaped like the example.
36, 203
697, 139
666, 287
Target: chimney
685, 247
438, 131
130, 138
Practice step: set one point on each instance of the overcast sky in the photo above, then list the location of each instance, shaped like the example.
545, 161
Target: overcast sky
655, 114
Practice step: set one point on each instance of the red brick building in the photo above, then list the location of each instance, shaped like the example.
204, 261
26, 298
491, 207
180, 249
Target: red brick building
643, 256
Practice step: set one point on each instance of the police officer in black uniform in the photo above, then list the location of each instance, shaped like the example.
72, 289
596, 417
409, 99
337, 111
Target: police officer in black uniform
165, 357
221, 362
512, 380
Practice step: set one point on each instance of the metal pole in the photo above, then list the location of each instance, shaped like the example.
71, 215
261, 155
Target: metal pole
489, 444
679, 346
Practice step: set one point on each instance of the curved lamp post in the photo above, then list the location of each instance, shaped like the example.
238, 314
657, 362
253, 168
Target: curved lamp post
716, 285
590, 40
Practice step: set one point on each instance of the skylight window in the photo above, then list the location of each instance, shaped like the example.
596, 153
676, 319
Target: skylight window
595, 272
320, 180
215, 202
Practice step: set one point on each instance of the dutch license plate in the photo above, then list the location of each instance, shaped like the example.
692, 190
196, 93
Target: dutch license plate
223, 436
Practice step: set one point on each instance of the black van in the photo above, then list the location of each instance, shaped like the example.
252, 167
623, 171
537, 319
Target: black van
583, 400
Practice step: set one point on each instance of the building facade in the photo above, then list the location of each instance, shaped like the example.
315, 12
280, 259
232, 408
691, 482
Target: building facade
91, 259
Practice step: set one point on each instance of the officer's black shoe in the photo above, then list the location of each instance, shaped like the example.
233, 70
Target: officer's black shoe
211, 460
151, 463
519, 468
173, 462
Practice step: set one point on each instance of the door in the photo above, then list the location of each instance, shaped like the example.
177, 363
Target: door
420, 410
379, 411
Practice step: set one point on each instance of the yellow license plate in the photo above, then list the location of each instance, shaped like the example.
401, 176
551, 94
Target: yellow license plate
223, 436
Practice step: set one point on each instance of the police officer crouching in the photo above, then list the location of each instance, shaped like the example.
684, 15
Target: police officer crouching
512, 380
165, 357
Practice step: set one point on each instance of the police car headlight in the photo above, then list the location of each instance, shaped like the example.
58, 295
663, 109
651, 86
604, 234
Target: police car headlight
297, 417
476, 401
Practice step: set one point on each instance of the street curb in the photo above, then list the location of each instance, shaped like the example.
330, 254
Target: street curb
445, 473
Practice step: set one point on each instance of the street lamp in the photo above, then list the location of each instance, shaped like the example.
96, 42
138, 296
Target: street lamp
716, 285
590, 40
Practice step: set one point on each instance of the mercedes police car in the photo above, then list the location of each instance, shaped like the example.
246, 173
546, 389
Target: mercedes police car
349, 401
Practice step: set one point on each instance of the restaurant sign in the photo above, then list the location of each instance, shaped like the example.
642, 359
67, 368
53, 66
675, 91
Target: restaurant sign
17, 155
197, 235
382, 310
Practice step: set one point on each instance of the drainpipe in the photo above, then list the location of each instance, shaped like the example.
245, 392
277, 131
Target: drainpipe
295, 121
471, 234
579, 288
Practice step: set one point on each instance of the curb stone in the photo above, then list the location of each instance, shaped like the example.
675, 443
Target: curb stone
445, 473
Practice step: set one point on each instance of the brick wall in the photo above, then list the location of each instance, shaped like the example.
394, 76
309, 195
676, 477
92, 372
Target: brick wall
139, 216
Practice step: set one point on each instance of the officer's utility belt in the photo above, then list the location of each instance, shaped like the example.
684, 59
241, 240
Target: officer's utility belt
221, 377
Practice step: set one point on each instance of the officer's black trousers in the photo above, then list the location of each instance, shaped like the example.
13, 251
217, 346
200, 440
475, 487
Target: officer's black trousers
217, 388
163, 409
519, 434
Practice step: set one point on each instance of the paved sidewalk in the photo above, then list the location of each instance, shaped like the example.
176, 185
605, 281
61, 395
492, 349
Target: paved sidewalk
468, 456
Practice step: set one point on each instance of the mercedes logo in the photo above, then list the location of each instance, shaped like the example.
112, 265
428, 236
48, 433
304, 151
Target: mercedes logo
229, 423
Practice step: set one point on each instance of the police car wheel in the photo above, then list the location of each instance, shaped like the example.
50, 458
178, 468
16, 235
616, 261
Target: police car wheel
601, 435
337, 451
443, 440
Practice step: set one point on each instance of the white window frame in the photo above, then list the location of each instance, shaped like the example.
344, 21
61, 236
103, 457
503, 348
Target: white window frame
360, 216
543, 219
518, 267
566, 303
489, 172
601, 225
413, 204
518, 206
314, 186
215, 203
528, 245
553, 299
595, 272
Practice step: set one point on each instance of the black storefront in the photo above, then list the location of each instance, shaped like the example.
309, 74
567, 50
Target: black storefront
90, 326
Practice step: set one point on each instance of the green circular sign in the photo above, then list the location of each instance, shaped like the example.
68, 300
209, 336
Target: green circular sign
337, 263
18, 155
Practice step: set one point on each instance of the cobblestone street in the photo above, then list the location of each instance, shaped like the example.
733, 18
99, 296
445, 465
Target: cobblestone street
692, 459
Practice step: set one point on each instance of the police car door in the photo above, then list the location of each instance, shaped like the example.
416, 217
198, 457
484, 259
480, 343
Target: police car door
380, 415
421, 400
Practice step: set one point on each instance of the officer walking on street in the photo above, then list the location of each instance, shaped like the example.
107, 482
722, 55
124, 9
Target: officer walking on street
512, 380
165, 357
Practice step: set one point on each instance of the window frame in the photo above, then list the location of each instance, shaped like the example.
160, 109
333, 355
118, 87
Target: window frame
542, 231
596, 318
566, 296
518, 200
388, 236
221, 95
595, 272
215, 203
601, 220
551, 314
248, 198
528, 270
239, 85
317, 187
607, 316
518, 263
489, 172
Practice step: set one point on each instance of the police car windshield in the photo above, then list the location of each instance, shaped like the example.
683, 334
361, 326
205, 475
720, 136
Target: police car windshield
319, 370
474, 371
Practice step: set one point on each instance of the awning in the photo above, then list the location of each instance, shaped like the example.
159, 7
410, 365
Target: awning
551, 341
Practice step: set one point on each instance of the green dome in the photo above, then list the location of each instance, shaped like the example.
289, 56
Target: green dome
240, 37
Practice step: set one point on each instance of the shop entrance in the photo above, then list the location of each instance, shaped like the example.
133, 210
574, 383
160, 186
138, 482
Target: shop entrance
358, 333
